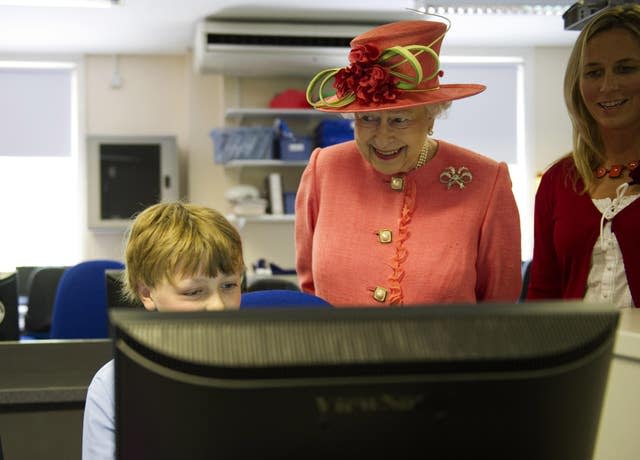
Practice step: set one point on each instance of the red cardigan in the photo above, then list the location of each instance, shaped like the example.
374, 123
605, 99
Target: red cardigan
566, 227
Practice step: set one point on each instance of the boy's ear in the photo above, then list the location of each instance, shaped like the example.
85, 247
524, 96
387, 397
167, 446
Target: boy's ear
144, 292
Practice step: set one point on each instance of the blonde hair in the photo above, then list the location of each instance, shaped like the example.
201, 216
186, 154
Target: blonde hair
588, 149
167, 240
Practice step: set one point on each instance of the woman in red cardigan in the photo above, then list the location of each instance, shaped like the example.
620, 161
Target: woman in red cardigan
587, 212
397, 217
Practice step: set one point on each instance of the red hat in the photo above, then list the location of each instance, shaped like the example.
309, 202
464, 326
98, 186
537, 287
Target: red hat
392, 66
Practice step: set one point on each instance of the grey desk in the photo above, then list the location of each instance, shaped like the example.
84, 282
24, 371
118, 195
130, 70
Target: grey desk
43, 386
618, 436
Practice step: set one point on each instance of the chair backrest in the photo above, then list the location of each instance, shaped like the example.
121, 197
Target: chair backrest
43, 284
80, 306
265, 284
9, 323
113, 278
526, 274
281, 298
25, 272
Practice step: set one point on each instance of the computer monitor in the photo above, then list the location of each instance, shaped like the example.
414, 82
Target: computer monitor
522, 381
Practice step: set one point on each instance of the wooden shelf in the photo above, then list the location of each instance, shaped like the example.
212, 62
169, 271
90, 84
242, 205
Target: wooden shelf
251, 277
264, 164
266, 112
241, 221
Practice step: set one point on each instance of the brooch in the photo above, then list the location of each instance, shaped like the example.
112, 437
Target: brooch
460, 177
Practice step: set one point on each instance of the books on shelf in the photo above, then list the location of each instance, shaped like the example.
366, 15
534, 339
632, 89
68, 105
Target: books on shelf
274, 193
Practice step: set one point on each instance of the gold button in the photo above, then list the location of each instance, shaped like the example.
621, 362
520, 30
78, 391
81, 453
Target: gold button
385, 236
397, 183
380, 294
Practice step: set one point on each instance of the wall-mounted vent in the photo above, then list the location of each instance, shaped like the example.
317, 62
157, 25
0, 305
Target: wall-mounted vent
257, 40
272, 48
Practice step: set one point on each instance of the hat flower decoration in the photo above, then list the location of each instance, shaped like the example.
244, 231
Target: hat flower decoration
365, 79
391, 66
368, 79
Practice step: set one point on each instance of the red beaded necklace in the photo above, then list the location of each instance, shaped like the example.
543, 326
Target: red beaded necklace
616, 170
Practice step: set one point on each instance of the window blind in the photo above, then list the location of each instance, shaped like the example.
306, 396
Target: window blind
35, 113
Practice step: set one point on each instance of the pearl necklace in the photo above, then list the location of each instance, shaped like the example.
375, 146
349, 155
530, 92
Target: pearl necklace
426, 153
616, 170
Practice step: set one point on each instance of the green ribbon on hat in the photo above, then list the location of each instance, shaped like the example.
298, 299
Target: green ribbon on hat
318, 84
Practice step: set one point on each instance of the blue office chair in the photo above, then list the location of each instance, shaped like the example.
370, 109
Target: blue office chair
80, 306
281, 298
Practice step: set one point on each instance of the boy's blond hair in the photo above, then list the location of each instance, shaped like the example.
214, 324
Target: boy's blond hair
168, 240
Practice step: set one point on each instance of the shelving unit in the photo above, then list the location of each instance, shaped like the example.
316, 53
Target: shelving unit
246, 104
238, 113
301, 122
264, 164
241, 221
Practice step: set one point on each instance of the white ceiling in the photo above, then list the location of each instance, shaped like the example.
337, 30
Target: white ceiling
168, 26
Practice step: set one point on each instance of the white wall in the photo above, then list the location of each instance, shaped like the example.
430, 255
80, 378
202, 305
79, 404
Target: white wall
162, 95
552, 126
153, 99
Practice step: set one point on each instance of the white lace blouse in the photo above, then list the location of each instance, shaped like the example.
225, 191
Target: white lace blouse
607, 281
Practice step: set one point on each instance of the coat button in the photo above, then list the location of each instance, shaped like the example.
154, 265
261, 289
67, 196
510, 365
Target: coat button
380, 294
397, 183
385, 236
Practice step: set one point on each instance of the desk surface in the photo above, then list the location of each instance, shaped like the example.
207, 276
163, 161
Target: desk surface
49, 371
628, 337
617, 437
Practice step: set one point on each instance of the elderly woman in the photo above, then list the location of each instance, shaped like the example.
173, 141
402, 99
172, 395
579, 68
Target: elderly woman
587, 212
397, 217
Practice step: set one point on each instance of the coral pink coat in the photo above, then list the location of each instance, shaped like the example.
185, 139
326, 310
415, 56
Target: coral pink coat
447, 244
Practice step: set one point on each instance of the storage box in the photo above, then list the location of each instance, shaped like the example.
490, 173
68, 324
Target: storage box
242, 143
296, 149
334, 131
289, 202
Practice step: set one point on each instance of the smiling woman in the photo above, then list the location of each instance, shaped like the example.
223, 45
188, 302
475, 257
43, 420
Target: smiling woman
397, 217
611, 60
587, 214
384, 137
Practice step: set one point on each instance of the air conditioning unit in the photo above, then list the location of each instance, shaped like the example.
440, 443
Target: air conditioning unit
264, 48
